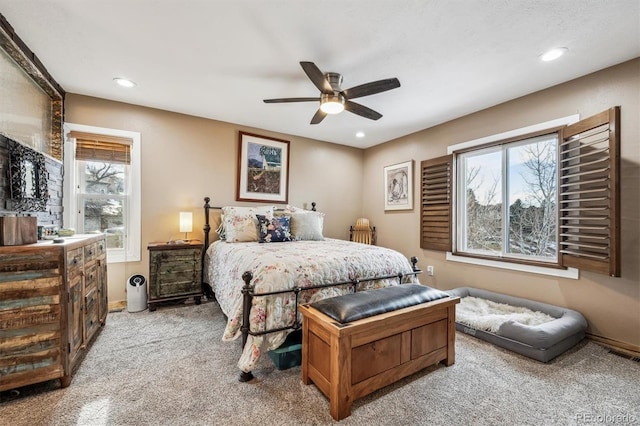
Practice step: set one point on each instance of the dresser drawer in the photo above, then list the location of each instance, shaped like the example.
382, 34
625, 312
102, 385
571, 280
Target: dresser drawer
101, 249
74, 261
16, 265
31, 332
90, 252
91, 277
91, 321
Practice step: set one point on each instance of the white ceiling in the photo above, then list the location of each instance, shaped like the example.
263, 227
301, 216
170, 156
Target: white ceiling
218, 59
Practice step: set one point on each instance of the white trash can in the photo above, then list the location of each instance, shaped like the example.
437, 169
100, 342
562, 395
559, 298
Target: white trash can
136, 293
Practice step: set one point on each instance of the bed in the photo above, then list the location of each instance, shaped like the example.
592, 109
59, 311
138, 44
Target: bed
259, 285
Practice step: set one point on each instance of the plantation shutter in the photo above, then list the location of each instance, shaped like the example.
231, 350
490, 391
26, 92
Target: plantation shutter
589, 194
435, 223
109, 149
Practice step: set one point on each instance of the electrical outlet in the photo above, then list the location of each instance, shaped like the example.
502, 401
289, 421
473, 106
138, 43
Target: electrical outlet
430, 270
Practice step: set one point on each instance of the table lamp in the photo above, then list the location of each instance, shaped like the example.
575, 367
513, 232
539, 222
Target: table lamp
186, 223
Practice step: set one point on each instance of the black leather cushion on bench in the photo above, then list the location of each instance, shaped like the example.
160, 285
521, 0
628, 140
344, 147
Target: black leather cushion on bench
367, 303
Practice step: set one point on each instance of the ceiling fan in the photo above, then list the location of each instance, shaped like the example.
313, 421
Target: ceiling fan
333, 99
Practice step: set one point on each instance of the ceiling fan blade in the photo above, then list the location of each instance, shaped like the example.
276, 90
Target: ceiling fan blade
361, 110
282, 100
371, 88
318, 116
316, 76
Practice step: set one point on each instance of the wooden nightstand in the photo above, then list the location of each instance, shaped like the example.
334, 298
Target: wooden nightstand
175, 272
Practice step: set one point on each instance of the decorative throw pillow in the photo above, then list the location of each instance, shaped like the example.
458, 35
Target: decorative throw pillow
307, 226
273, 230
241, 224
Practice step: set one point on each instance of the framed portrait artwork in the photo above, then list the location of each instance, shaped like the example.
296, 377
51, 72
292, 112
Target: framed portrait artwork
263, 169
398, 186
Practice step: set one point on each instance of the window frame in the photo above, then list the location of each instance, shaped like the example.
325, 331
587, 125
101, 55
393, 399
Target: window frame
500, 146
131, 251
588, 195
545, 268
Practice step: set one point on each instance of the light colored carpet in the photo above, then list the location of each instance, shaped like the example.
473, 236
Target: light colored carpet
169, 367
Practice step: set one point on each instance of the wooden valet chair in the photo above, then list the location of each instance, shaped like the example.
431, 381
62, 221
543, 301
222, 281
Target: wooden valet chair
362, 232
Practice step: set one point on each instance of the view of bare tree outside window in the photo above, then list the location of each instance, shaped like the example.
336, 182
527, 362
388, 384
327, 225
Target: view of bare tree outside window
103, 196
483, 177
521, 175
533, 214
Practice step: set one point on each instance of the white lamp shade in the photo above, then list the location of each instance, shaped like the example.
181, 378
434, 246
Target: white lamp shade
186, 221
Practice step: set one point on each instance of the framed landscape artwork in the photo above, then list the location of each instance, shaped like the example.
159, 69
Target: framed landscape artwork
263, 169
398, 186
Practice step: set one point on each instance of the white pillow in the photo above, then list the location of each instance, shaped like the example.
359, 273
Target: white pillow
241, 224
307, 226
293, 209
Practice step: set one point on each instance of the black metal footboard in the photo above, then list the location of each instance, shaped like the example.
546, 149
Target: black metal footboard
248, 295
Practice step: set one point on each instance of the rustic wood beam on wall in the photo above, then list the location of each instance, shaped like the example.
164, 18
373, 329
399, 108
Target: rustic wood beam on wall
13, 45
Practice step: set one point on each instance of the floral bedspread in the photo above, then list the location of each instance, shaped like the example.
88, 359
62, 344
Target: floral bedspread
278, 266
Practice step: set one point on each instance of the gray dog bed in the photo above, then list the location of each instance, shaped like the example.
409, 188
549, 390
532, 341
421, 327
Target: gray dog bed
542, 342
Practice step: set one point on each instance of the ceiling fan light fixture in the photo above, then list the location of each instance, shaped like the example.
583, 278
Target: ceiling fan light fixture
332, 104
334, 100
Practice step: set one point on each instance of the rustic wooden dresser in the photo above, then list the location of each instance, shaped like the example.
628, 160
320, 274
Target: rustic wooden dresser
53, 300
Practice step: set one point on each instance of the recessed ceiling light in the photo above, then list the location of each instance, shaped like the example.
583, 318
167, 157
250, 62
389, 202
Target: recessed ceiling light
553, 54
124, 82
360, 135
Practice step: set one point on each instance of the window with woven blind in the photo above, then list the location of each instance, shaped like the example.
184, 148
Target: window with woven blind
102, 183
108, 149
588, 198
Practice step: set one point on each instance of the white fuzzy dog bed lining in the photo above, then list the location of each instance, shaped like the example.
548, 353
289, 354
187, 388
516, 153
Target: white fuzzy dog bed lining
487, 315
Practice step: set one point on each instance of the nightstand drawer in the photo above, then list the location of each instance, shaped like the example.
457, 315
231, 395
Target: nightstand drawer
175, 272
176, 258
175, 287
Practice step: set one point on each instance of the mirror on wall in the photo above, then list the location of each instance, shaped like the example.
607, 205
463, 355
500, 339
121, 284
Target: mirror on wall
28, 178
32, 101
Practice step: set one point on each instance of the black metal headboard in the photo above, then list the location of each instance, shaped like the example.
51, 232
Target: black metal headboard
207, 226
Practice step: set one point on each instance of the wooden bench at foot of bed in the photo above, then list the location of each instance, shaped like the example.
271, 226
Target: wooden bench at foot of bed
349, 360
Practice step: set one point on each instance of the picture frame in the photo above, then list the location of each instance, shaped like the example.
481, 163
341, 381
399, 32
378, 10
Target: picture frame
263, 169
398, 186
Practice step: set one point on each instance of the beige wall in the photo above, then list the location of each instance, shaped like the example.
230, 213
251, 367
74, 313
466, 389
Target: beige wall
185, 158
611, 305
